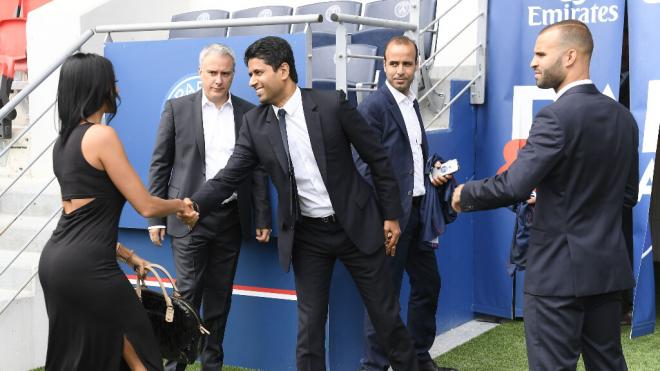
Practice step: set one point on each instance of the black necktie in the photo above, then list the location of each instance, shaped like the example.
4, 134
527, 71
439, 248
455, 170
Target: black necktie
294, 207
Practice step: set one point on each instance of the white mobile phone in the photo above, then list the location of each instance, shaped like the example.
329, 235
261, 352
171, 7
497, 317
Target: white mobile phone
446, 168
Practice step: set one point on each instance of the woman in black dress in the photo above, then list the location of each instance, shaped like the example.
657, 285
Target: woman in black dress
96, 321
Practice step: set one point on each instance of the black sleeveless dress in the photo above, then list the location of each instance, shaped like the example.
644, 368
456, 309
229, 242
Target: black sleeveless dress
91, 305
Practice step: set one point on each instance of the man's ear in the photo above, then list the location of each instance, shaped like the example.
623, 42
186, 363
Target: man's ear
570, 57
284, 70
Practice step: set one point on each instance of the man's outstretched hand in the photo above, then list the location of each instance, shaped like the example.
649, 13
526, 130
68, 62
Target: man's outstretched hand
189, 215
456, 199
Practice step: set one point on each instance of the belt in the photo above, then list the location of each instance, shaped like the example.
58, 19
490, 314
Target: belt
417, 200
330, 219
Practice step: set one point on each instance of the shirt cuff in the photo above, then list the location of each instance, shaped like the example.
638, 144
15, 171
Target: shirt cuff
156, 227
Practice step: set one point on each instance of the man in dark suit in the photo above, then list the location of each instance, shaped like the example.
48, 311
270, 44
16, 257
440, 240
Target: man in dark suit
581, 155
196, 136
327, 211
394, 112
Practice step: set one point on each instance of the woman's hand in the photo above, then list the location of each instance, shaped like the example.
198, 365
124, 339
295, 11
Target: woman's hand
139, 265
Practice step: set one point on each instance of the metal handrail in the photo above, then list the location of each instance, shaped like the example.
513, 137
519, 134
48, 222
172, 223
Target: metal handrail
25, 207
369, 21
4, 308
16, 179
4, 111
234, 22
438, 50
437, 83
58, 211
460, 93
433, 22
364, 56
19, 136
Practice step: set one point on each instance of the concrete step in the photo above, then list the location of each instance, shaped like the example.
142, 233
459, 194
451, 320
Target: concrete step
24, 190
23, 330
6, 295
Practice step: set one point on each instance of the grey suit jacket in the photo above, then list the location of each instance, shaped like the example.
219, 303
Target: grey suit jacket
178, 166
581, 155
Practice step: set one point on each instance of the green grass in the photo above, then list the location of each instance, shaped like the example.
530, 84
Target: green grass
503, 349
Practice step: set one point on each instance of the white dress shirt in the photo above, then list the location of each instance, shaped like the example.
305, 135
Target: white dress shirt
573, 84
219, 136
312, 194
414, 129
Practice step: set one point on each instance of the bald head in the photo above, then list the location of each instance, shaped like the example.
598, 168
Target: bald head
573, 34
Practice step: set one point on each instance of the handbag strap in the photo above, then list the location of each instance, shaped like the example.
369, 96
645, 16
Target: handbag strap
169, 310
163, 270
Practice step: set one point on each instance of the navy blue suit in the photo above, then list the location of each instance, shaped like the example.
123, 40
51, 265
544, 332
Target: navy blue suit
382, 112
581, 156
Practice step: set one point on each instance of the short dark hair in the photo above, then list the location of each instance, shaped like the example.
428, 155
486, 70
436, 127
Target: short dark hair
87, 82
401, 40
574, 33
274, 51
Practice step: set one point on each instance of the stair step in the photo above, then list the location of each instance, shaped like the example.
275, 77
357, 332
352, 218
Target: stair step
20, 194
7, 294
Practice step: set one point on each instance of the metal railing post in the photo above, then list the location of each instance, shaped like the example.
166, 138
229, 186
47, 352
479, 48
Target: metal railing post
478, 91
309, 60
341, 59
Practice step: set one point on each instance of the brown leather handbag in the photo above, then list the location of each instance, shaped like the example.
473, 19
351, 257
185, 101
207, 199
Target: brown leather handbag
176, 323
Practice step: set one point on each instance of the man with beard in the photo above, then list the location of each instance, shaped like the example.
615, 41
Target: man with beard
581, 156
394, 112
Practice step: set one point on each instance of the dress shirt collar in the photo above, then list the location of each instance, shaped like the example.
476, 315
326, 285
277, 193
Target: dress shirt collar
292, 105
399, 97
571, 85
206, 101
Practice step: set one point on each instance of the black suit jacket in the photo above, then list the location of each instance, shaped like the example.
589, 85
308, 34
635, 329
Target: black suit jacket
334, 125
581, 155
178, 166
382, 112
